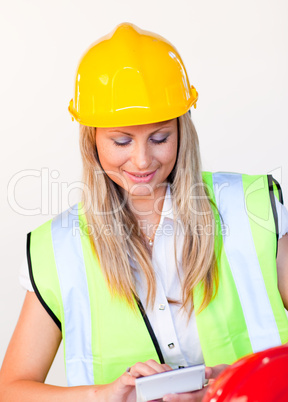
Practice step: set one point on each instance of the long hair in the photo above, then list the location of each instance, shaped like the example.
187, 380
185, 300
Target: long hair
116, 236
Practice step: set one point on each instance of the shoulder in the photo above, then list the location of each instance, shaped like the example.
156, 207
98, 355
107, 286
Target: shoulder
65, 222
239, 196
55, 237
230, 184
46, 246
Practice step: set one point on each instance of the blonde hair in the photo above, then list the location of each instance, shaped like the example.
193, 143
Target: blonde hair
109, 209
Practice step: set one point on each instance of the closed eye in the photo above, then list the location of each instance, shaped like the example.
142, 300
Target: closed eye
153, 140
121, 144
159, 141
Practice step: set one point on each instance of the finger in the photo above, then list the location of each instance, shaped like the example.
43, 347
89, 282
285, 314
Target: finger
150, 367
213, 372
167, 367
123, 384
208, 372
159, 368
142, 370
127, 379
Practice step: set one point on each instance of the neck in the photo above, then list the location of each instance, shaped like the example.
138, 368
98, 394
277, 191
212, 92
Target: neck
147, 211
147, 207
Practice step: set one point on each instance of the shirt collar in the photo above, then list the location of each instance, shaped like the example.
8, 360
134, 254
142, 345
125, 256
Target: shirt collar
167, 213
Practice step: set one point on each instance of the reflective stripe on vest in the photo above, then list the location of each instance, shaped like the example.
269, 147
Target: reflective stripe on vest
246, 272
74, 289
95, 325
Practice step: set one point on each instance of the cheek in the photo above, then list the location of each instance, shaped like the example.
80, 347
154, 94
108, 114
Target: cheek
110, 157
170, 154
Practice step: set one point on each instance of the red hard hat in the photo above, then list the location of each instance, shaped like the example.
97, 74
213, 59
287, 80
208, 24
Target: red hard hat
261, 377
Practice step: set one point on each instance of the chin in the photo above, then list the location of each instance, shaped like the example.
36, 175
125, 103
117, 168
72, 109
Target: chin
141, 191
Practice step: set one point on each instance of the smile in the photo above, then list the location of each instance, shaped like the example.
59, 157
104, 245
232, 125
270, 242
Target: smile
140, 178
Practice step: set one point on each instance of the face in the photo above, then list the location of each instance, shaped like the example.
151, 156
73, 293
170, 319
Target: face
139, 158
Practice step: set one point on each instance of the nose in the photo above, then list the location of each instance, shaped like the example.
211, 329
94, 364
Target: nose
141, 156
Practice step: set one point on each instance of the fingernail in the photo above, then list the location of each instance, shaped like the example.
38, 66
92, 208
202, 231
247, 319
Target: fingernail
167, 398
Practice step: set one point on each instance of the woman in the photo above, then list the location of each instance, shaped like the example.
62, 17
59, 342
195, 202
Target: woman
127, 274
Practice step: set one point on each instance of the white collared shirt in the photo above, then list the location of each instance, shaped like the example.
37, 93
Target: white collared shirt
177, 337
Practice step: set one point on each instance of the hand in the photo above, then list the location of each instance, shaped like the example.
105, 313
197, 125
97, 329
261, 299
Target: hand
123, 389
211, 373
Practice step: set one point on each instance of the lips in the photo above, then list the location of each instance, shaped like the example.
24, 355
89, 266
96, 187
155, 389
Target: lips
138, 174
137, 177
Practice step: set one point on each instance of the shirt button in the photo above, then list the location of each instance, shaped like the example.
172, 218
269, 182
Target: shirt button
171, 346
161, 306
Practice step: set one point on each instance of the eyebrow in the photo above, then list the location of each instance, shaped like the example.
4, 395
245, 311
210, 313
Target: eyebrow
132, 135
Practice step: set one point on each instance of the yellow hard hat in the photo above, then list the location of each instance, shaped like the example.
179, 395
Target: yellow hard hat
131, 77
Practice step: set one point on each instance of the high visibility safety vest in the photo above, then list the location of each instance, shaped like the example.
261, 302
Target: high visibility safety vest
103, 336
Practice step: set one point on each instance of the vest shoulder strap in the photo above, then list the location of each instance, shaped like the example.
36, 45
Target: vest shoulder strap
42, 271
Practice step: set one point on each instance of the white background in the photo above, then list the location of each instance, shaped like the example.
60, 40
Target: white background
236, 56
